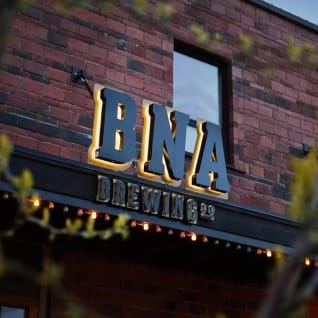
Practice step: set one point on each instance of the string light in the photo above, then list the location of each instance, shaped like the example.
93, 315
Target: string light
36, 202
146, 226
94, 215
193, 237
307, 261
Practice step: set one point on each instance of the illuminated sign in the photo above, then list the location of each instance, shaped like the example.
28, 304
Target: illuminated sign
162, 145
153, 200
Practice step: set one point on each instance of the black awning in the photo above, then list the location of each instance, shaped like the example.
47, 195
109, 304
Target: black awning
76, 184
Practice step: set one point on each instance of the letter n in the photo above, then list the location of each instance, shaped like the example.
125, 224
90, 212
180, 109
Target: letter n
163, 143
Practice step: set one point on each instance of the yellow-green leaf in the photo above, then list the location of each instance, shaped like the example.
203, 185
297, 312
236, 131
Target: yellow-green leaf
121, 221
24, 183
74, 310
139, 6
164, 11
202, 36
5, 151
46, 215
246, 43
304, 188
51, 274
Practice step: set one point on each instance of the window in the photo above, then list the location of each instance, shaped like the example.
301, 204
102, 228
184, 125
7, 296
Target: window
198, 79
11, 312
16, 306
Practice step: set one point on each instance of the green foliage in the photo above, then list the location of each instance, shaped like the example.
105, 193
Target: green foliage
64, 6
73, 226
74, 310
164, 11
297, 53
24, 183
299, 312
51, 274
89, 226
304, 203
121, 225
3, 263
246, 44
5, 152
46, 215
138, 6
202, 37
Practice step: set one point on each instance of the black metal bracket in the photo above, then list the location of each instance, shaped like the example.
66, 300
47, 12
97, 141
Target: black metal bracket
306, 149
79, 76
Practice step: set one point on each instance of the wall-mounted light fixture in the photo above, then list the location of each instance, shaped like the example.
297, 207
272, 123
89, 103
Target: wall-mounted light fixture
79, 76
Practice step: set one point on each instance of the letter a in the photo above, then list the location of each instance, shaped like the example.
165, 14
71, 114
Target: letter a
208, 170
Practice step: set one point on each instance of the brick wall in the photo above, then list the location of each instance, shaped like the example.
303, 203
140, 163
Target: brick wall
162, 276
134, 291
271, 117
177, 279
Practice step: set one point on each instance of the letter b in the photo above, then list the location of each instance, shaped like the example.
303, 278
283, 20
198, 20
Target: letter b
117, 131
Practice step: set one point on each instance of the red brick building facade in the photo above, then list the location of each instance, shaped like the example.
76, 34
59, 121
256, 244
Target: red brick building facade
269, 113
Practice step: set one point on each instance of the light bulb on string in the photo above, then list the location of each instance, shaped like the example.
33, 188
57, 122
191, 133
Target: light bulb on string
107, 217
51, 205
133, 223
94, 215
65, 209
182, 235
170, 232
6, 196
36, 202
193, 237
205, 239
146, 226
158, 229
80, 212
307, 261
269, 253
